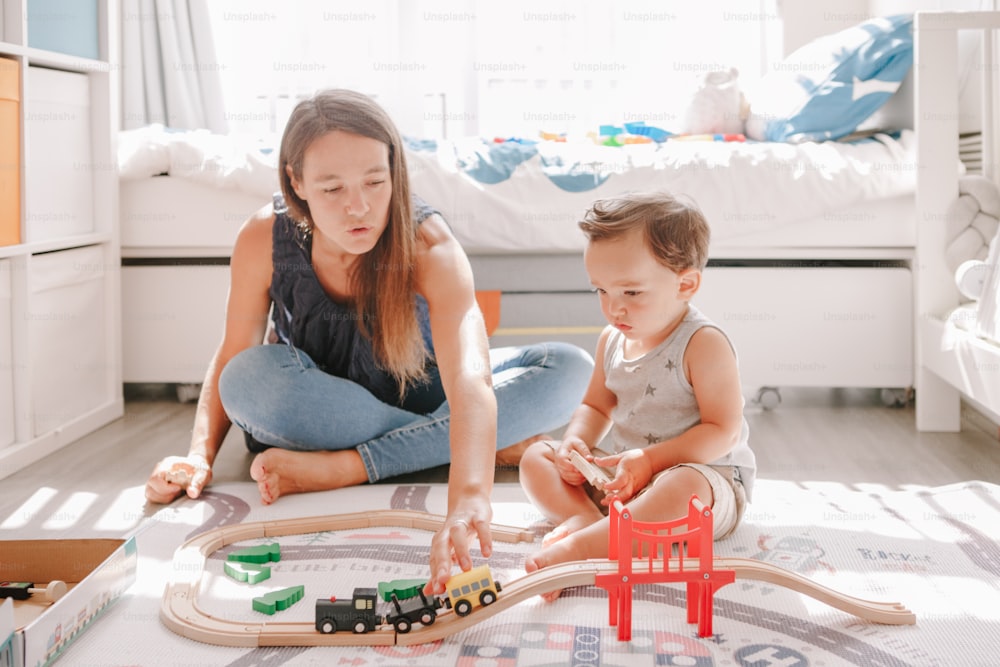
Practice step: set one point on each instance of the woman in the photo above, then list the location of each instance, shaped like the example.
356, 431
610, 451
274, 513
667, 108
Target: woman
384, 366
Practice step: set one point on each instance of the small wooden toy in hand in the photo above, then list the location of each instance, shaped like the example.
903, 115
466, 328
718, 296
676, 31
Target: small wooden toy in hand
594, 474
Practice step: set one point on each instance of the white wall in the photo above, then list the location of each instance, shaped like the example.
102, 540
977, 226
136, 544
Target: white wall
898, 6
803, 20
969, 45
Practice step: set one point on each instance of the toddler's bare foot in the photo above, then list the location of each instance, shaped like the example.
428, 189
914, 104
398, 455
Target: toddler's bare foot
280, 472
570, 525
557, 547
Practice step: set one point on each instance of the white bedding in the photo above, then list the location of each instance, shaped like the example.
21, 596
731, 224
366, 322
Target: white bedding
514, 198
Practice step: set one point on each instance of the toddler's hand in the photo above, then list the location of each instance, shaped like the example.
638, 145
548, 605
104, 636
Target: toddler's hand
632, 474
567, 471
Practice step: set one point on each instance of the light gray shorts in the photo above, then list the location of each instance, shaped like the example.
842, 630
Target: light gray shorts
729, 499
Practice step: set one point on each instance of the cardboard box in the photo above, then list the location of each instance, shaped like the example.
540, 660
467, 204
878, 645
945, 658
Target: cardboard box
97, 572
10, 151
7, 630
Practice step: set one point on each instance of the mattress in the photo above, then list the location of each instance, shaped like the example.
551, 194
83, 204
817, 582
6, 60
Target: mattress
761, 199
518, 199
175, 217
165, 216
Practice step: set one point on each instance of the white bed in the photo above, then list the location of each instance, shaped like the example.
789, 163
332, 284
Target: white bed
812, 248
809, 266
850, 291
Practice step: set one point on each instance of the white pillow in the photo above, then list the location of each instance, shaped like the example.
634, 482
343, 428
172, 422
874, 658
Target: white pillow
143, 152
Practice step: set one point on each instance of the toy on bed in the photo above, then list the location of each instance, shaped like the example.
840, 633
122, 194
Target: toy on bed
973, 253
717, 106
716, 111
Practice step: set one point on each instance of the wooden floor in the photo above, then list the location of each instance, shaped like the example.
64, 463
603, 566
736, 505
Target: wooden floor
94, 487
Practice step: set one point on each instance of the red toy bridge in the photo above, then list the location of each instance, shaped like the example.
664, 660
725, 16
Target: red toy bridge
678, 551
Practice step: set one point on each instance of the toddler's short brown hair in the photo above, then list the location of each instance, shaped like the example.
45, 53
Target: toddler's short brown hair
676, 231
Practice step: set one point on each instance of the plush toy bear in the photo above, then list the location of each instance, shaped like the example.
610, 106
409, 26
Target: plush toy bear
717, 106
973, 229
978, 282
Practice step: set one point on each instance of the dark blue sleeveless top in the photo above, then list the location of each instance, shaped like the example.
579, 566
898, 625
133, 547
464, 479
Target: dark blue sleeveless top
307, 318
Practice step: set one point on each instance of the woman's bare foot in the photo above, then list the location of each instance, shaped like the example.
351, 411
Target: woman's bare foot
511, 456
281, 472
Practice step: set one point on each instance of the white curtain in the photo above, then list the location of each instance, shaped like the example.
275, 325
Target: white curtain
170, 72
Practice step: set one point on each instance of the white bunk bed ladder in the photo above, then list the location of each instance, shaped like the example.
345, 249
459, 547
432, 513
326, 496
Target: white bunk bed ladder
950, 363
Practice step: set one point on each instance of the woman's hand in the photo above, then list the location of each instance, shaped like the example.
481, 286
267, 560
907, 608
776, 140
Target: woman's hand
469, 519
174, 474
633, 471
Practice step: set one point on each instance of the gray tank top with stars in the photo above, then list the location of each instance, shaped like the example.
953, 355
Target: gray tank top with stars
655, 399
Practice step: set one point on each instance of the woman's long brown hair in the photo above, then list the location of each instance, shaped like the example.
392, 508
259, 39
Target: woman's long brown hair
383, 281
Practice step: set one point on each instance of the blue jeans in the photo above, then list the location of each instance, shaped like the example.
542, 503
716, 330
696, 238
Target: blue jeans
278, 396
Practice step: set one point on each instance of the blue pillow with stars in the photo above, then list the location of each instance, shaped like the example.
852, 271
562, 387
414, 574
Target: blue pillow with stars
828, 87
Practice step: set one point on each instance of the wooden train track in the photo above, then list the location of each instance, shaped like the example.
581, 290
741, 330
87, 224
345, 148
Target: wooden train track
180, 611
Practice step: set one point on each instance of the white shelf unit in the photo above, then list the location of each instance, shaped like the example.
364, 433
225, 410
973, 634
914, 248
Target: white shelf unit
60, 282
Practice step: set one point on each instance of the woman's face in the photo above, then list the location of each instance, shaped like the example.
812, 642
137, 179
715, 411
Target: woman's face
347, 184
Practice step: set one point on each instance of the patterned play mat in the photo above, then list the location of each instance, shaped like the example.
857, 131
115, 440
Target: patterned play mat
933, 549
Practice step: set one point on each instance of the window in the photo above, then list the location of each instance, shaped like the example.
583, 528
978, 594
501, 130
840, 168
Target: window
480, 67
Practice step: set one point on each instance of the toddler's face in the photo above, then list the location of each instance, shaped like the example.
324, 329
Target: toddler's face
639, 296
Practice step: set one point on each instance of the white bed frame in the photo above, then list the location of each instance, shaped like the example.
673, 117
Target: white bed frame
950, 363
783, 297
837, 312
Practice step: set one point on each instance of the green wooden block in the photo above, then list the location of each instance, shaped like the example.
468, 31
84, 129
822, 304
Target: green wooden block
403, 588
250, 573
278, 600
263, 553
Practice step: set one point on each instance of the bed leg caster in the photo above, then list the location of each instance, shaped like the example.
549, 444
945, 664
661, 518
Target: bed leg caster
767, 398
188, 393
896, 397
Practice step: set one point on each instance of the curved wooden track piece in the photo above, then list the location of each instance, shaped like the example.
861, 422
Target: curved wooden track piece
887, 613
180, 612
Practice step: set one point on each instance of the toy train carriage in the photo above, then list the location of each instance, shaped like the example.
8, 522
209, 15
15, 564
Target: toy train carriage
464, 592
417, 609
468, 590
358, 613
